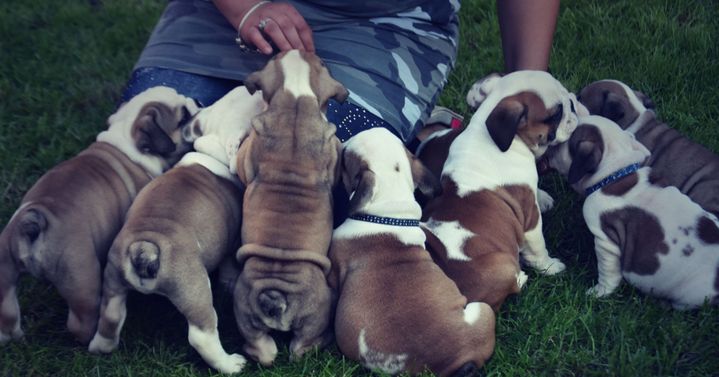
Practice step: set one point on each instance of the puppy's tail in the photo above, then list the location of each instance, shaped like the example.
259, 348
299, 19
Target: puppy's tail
145, 259
32, 224
273, 303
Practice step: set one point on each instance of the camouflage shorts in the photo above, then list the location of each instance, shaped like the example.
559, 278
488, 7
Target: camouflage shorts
394, 66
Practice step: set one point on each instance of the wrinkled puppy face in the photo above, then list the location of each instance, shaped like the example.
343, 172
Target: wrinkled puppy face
299, 73
377, 166
614, 100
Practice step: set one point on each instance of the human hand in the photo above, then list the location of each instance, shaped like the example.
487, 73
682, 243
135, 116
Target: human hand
280, 23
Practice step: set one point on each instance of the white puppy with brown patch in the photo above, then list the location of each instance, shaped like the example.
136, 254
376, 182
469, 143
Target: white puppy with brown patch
652, 235
179, 229
397, 311
68, 219
488, 211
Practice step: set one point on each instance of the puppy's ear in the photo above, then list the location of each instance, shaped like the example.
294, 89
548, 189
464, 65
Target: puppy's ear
152, 127
363, 191
507, 117
423, 178
612, 106
267, 80
646, 101
330, 88
586, 148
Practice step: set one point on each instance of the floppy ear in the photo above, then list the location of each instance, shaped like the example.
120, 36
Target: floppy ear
364, 191
504, 121
338, 161
423, 178
151, 128
612, 106
330, 88
267, 80
646, 101
586, 148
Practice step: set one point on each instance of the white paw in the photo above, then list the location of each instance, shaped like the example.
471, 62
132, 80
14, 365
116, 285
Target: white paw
521, 279
480, 89
599, 291
544, 200
16, 333
552, 267
100, 344
231, 364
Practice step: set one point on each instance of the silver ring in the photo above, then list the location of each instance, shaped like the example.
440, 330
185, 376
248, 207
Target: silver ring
263, 23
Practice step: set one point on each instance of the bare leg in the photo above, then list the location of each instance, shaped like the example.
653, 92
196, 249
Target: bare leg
527, 31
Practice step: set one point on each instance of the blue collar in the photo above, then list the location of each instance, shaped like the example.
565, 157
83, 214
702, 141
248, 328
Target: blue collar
617, 175
385, 220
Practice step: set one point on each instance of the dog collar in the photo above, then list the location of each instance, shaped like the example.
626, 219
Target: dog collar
617, 175
385, 220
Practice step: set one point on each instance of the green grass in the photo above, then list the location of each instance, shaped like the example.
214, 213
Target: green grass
62, 67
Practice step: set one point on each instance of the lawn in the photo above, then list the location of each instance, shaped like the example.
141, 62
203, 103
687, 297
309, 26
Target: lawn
62, 68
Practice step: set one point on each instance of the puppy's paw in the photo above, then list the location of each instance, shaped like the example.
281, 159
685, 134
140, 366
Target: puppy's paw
552, 266
264, 350
480, 90
544, 200
233, 363
100, 344
599, 291
521, 279
16, 334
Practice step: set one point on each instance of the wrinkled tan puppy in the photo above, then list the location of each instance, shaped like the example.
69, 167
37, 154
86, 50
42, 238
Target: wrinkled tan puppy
681, 162
289, 164
179, 229
68, 219
397, 311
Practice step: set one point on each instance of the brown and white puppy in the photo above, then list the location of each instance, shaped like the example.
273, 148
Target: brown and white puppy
178, 230
650, 234
488, 212
68, 219
289, 164
689, 166
397, 311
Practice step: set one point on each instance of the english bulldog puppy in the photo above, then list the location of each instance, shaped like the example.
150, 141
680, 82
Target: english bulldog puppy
689, 166
397, 311
289, 164
67, 220
488, 212
650, 234
179, 228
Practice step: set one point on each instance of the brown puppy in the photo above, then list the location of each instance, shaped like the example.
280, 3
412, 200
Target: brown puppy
67, 220
689, 166
488, 212
397, 311
289, 164
179, 229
